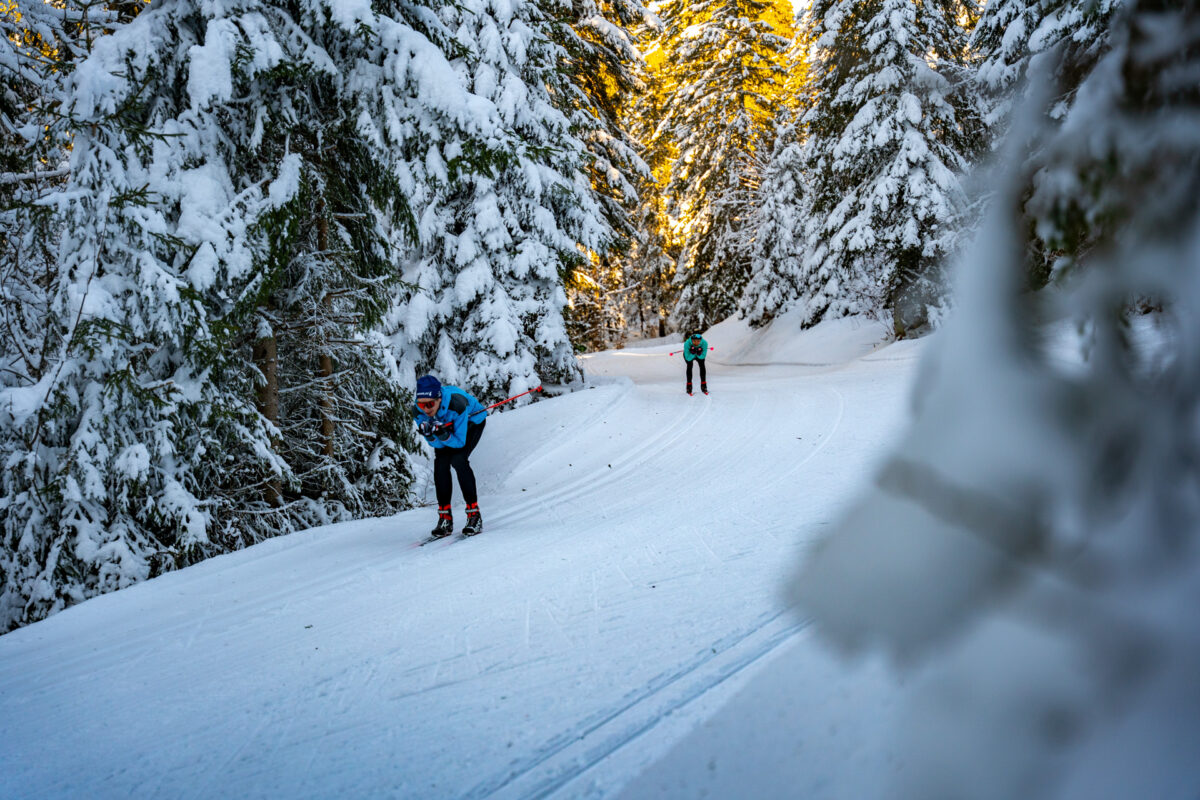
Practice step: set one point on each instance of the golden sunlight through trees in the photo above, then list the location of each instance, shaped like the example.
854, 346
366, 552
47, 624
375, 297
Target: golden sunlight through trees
718, 77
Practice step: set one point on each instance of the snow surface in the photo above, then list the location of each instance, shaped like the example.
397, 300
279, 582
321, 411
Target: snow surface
619, 628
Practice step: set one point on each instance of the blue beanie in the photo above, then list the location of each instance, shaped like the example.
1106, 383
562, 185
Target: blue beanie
428, 387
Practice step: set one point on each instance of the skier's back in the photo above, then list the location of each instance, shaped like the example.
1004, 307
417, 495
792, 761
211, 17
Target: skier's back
695, 348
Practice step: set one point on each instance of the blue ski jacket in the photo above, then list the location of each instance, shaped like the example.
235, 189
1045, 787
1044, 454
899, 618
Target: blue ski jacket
689, 343
457, 408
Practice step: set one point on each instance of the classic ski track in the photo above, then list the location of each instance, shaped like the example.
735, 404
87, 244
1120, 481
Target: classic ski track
584, 486
622, 466
837, 423
575, 489
554, 782
625, 734
57, 670
571, 491
106, 656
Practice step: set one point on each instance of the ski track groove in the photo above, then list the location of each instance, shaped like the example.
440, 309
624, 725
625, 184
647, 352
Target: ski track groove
654, 687
553, 783
622, 466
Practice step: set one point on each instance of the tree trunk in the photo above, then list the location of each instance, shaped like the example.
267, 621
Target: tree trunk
266, 358
326, 357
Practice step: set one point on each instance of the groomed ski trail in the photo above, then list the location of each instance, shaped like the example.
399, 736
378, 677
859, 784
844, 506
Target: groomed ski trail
629, 575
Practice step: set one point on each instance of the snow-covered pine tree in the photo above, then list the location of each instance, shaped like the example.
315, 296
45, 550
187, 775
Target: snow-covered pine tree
723, 62
776, 250
887, 140
649, 269
1012, 33
232, 222
604, 67
99, 485
330, 255
776, 253
595, 312
1032, 548
650, 263
502, 217
36, 45
1068, 38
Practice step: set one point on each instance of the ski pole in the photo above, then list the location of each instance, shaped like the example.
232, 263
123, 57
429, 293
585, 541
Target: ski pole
514, 397
680, 351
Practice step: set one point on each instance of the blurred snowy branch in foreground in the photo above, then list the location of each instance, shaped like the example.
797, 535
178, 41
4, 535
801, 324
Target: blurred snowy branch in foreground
1029, 555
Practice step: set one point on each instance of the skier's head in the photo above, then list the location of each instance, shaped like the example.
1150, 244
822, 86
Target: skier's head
429, 393
695, 337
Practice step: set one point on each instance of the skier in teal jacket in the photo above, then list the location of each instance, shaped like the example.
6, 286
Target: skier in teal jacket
695, 348
451, 421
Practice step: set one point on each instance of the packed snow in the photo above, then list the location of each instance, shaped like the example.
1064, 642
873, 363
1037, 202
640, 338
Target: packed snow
627, 593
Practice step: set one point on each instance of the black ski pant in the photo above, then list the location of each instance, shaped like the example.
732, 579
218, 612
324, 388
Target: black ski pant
703, 378
446, 457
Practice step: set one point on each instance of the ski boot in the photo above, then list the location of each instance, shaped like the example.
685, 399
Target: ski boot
689, 389
704, 388
474, 521
445, 525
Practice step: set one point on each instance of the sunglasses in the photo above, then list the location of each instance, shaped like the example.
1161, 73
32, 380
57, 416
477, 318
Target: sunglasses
426, 403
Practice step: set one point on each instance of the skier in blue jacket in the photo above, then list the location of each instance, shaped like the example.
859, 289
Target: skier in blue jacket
451, 421
695, 348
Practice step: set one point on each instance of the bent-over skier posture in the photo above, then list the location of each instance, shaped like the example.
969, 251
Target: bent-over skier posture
451, 421
695, 349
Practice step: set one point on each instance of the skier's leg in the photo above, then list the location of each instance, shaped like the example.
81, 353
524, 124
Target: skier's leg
703, 377
462, 467
441, 475
442, 485
689, 376
474, 432
466, 480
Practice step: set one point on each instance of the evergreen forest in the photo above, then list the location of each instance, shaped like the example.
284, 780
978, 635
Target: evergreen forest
233, 234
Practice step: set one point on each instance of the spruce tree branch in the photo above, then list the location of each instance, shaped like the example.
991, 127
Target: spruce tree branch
10, 178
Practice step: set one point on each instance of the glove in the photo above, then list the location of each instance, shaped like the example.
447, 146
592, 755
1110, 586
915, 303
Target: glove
426, 428
696, 349
443, 431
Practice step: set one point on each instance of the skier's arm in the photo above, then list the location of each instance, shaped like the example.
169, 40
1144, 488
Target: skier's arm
456, 434
476, 412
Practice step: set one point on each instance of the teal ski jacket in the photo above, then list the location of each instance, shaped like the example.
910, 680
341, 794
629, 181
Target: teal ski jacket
457, 408
688, 346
